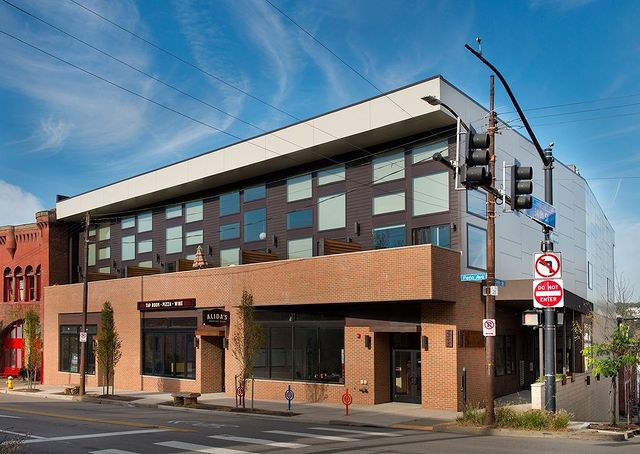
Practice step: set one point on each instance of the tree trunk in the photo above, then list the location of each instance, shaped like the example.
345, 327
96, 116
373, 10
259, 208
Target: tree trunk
612, 401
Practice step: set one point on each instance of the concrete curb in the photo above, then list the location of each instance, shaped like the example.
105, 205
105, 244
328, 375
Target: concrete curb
586, 434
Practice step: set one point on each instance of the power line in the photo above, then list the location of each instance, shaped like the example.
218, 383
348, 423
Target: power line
335, 55
574, 112
590, 101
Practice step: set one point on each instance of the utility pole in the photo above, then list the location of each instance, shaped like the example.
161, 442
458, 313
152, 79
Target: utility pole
85, 289
490, 306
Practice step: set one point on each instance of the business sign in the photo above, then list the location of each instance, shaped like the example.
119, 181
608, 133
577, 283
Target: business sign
548, 293
542, 212
215, 317
167, 305
488, 327
473, 277
547, 266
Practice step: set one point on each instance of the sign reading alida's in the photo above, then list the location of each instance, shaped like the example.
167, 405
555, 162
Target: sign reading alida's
167, 305
215, 317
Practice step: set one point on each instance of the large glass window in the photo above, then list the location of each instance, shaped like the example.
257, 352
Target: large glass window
92, 254
230, 231
297, 249
299, 188
194, 237
431, 194
229, 203
255, 223
392, 236
145, 222
70, 349
193, 211
422, 153
128, 223
145, 246
331, 175
505, 355
174, 211
169, 347
309, 350
299, 219
388, 167
104, 232
174, 239
331, 212
255, 193
129, 247
230, 257
104, 253
388, 203
436, 234
477, 202
476, 247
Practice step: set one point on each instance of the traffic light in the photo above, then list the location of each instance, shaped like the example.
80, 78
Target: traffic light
521, 187
474, 171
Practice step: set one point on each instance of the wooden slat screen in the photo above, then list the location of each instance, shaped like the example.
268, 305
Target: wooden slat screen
329, 247
257, 257
135, 271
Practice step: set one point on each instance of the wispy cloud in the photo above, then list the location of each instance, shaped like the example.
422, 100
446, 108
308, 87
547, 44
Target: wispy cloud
52, 134
16, 205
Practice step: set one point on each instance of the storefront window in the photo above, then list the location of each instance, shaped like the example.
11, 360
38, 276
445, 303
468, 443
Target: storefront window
169, 347
303, 348
70, 348
505, 355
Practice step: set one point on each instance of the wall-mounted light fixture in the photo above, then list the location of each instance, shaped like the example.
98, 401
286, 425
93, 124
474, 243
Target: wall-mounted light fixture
210, 250
425, 342
367, 341
356, 228
157, 258
274, 241
225, 343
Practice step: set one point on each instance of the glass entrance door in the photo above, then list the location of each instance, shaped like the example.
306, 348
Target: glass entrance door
406, 376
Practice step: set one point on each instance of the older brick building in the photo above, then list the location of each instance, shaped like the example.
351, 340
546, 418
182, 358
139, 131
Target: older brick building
351, 240
32, 256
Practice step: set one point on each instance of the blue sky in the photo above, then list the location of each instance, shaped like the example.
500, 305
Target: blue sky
65, 132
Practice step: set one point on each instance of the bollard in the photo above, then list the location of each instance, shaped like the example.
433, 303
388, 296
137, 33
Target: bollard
9, 382
346, 400
288, 394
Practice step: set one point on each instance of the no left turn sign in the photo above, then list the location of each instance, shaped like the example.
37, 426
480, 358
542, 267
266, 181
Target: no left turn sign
547, 266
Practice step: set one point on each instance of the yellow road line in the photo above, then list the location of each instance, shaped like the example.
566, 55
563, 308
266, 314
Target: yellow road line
97, 420
411, 426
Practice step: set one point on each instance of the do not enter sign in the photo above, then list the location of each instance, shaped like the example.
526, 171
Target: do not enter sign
549, 293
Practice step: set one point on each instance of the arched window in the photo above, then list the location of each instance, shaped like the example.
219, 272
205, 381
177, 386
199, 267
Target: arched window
20, 290
8, 285
30, 283
38, 284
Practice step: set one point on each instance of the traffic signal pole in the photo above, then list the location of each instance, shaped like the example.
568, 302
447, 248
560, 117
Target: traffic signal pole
547, 245
490, 302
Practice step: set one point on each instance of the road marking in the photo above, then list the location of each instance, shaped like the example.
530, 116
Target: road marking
308, 435
98, 435
101, 421
12, 417
113, 451
190, 447
259, 441
19, 433
364, 432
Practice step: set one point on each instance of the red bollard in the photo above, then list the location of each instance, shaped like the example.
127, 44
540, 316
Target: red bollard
346, 400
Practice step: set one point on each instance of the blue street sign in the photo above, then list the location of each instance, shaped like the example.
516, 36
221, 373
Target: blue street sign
542, 212
473, 277
500, 283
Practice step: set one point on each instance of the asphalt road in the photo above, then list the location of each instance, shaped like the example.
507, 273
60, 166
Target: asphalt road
52, 426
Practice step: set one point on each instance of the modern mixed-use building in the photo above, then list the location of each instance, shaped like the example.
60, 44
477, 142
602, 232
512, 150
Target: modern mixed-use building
351, 240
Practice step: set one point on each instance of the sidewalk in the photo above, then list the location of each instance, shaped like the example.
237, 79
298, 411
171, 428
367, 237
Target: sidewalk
393, 414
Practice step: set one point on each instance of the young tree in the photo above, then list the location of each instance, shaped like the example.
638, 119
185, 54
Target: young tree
247, 339
108, 346
608, 358
32, 345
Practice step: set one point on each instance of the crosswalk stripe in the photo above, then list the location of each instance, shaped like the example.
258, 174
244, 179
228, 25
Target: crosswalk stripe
309, 435
190, 447
112, 451
364, 432
259, 441
93, 435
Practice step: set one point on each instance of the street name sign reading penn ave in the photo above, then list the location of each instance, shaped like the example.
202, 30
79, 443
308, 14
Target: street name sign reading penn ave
548, 293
